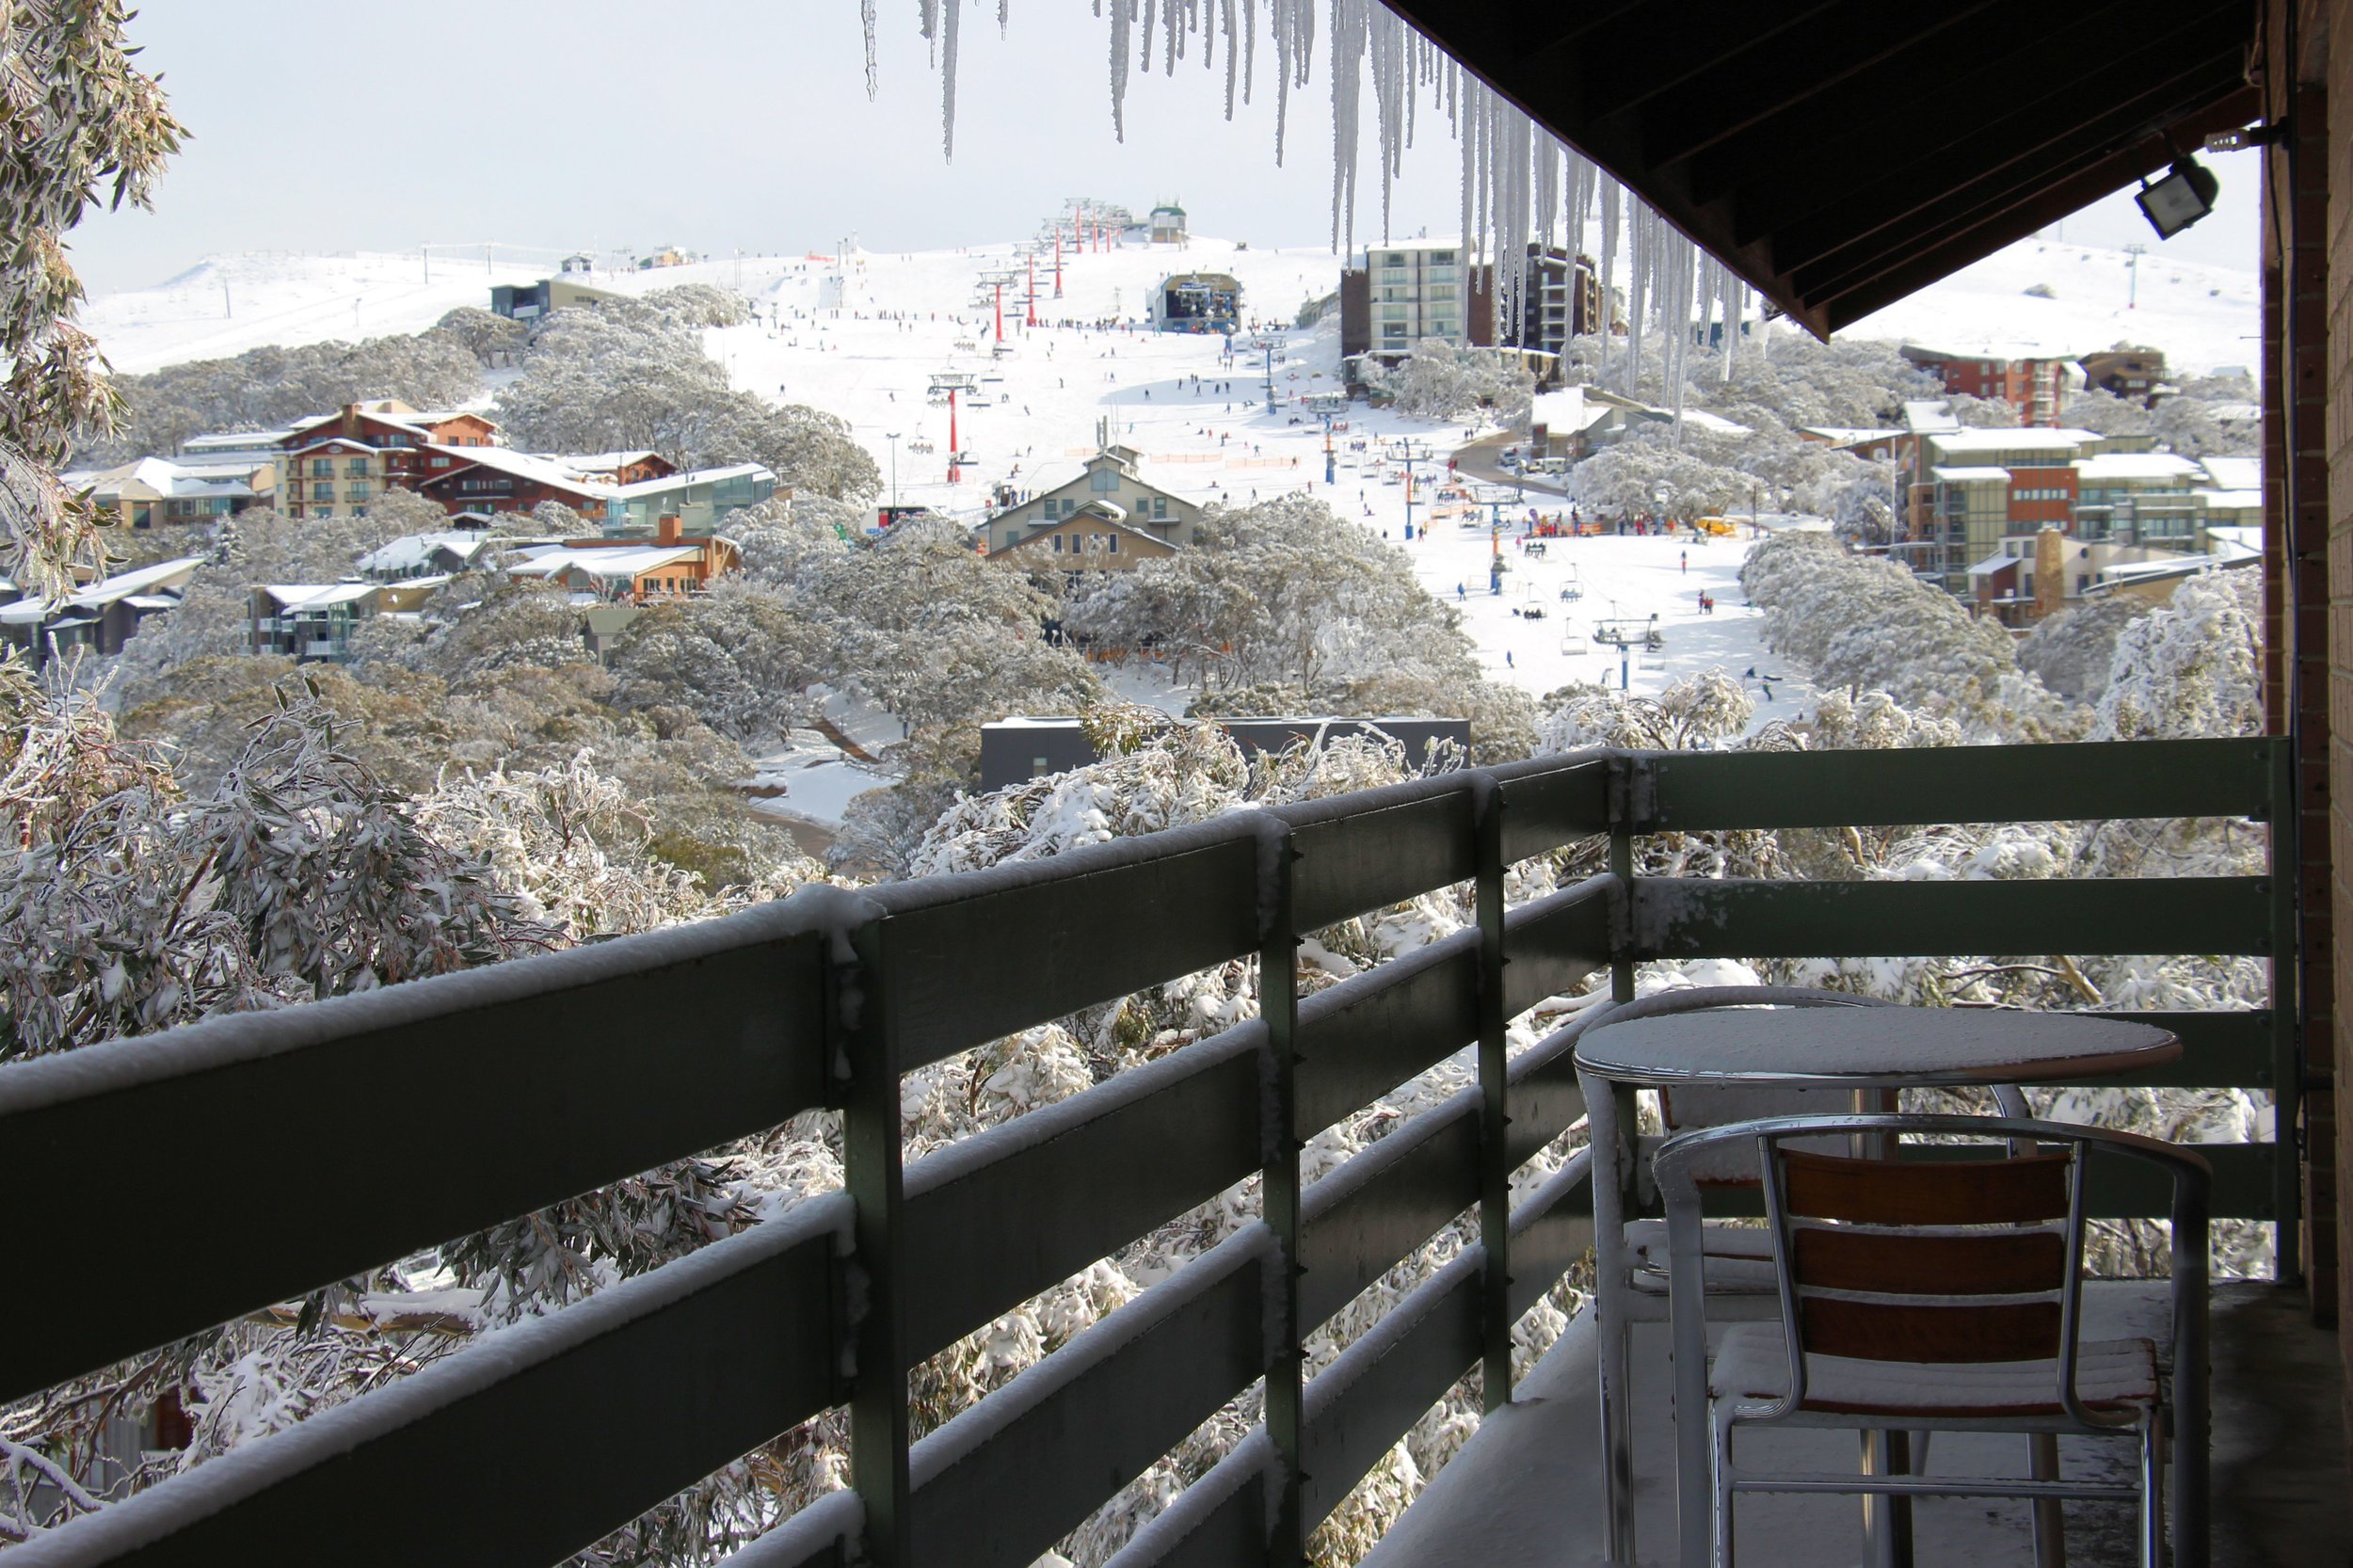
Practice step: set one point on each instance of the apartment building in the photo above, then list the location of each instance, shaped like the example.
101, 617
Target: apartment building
2028, 379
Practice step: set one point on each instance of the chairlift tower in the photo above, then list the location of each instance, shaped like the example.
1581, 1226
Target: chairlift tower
947, 386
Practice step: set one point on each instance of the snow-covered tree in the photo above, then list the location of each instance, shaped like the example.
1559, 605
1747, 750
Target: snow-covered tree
1444, 381
83, 120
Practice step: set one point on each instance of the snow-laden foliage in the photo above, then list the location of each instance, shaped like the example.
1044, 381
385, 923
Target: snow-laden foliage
633, 375
2191, 667
2073, 651
1630, 477
1284, 592
268, 387
83, 125
1443, 380
1861, 621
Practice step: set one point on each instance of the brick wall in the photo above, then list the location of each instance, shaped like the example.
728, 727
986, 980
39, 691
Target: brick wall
2321, 315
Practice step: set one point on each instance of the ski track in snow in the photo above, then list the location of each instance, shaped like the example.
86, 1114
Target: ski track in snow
1057, 381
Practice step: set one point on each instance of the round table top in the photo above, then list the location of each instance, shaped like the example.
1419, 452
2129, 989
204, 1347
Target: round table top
1863, 1047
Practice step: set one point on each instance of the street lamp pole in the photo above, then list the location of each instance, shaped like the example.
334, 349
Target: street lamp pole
892, 437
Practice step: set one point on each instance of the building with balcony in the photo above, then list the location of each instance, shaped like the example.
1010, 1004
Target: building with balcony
499, 479
1166, 224
94, 620
2029, 379
311, 622
332, 465
701, 500
1393, 296
1109, 497
156, 492
669, 563
2134, 374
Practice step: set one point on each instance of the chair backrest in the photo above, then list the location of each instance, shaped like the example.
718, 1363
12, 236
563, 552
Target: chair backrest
1895, 1260
1933, 1259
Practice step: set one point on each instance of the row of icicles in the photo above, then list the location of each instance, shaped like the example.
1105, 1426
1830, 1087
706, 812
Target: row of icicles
1521, 186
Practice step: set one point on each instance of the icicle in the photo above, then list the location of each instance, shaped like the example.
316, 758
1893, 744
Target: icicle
866, 20
948, 24
1123, 23
1004, 16
1233, 57
1249, 45
1145, 62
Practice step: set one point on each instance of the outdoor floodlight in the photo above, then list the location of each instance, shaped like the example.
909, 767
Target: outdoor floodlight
2181, 199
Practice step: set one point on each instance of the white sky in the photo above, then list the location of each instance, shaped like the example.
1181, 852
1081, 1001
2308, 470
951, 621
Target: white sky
743, 124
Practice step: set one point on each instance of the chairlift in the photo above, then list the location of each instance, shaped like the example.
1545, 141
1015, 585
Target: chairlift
1573, 643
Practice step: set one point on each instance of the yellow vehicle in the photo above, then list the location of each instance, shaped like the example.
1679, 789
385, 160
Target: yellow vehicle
1720, 527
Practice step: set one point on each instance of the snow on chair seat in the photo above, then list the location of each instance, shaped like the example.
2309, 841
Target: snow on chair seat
1754, 1364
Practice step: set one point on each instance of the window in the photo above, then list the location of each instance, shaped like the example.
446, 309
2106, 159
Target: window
1013, 537
357, 468
322, 468
440, 462
1058, 544
1160, 508
1392, 313
1110, 544
1103, 481
1442, 292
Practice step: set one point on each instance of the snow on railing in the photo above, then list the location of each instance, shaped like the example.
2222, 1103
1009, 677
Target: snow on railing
505, 1089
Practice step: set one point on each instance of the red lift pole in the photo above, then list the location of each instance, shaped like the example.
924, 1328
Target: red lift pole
1032, 318
1058, 261
1000, 289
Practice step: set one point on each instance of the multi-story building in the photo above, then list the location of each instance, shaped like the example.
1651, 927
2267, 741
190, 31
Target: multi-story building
1109, 497
499, 479
2135, 374
1397, 295
334, 464
2026, 379
309, 622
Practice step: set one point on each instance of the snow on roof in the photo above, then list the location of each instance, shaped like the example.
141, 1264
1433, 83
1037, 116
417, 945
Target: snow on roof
2133, 465
1929, 413
2238, 413
1971, 475
163, 574
593, 462
2235, 473
524, 465
313, 596
334, 440
1717, 423
1991, 348
1992, 564
2011, 437
152, 601
603, 563
1566, 410
1848, 434
234, 441
2232, 542
415, 549
688, 477
2230, 500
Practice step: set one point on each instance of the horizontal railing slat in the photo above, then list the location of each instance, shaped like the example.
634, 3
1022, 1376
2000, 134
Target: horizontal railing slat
1000, 1484
536, 1442
2220, 1050
1024, 951
1551, 1231
1217, 1522
1363, 1037
477, 1097
1371, 859
1086, 1178
1552, 943
1545, 810
2086, 782
1360, 1221
1696, 919
1545, 1100
1382, 1384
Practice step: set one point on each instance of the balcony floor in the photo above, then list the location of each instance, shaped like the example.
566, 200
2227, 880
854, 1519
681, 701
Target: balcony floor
1525, 1493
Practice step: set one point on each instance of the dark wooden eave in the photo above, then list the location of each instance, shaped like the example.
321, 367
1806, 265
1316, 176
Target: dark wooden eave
1840, 155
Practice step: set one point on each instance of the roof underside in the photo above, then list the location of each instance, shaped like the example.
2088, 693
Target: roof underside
1841, 155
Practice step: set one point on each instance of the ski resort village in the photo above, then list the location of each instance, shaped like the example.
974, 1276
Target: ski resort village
1619, 856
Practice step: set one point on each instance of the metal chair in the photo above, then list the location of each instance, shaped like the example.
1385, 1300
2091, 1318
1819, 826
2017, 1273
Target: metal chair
1932, 1294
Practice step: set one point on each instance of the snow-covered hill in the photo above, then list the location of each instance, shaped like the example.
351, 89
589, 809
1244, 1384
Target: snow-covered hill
2202, 317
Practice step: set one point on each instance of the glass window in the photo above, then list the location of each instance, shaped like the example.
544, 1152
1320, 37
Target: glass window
1103, 481
1110, 544
1058, 544
1160, 507
322, 468
356, 468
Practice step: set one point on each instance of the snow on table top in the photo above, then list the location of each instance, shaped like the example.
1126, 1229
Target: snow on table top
1833, 1046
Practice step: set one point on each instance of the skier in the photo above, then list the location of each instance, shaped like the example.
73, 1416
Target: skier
1507, 660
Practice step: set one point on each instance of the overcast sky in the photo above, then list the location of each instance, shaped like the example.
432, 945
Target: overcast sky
726, 124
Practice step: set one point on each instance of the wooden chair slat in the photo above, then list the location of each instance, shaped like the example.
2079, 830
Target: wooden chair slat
1990, 1263
1881, 1331
2027, 1191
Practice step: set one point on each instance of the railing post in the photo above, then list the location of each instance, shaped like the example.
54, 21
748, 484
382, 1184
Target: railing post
1495, 1159
1278, 1190
1622, 811
862, 1022
2287, 1015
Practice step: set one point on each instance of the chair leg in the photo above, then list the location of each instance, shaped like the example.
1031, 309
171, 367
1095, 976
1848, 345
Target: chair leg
2050, 1520
1617, 1442
1724, 1489
2152, 1491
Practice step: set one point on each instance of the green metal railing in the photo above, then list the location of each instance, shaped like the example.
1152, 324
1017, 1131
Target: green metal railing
326, 1139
